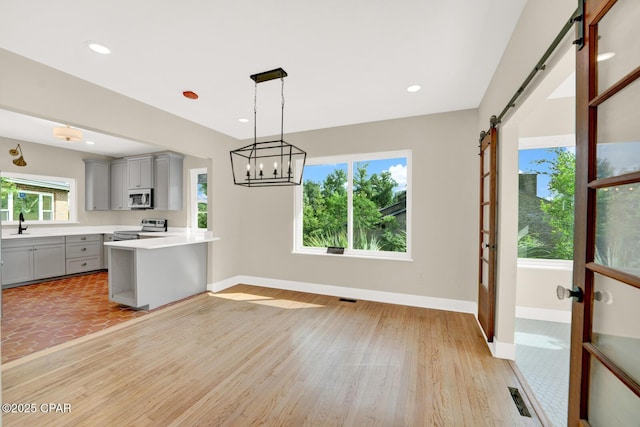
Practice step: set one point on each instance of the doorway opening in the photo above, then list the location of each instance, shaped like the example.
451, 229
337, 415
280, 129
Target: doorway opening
538, 154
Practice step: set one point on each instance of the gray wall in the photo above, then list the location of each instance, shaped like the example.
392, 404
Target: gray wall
445, 195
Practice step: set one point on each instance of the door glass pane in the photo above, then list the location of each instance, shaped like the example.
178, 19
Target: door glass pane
615, 323
618, 148
611, 403
485, 217
486, 160
380, 205
618, 227
616, 36
485, 248
485, 274
486, 185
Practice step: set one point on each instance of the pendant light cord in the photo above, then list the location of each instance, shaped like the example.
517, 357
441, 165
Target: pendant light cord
282, 114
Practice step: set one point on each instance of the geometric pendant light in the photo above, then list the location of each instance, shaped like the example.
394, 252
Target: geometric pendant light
269, 163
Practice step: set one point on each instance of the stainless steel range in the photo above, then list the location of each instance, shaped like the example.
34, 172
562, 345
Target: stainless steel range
147, 225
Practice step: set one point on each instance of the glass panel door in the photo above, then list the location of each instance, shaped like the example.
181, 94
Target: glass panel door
605, 366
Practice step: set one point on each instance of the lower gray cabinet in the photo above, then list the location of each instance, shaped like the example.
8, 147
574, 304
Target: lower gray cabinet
83, 253
28, 259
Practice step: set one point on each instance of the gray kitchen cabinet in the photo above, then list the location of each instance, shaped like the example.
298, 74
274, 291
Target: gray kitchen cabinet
140, 170
119, 185
28, 259
83, 253
96, 182
17, 264
167, 193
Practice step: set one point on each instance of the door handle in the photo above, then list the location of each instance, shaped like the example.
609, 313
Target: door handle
576, 293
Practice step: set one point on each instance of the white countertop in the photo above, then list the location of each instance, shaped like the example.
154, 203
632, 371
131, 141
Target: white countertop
174, 237
163, 240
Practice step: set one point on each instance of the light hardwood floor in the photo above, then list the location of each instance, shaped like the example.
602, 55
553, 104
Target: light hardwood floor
256, 356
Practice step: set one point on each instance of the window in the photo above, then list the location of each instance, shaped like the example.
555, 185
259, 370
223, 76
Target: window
546, 203
357, 202
39, 198
199, 198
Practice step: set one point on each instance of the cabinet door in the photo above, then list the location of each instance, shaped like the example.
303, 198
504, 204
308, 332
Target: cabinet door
167, 194
48, 261
16, 265
140, 172
119, 186
96, 186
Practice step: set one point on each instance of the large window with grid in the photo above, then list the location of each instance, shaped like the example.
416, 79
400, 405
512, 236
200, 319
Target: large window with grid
359, 203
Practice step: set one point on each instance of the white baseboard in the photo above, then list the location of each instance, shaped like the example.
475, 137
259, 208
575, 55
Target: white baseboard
534, 313
498, 349
503, 350
353, 293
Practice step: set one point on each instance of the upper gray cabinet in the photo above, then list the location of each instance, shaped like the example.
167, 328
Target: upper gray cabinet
140, 169
96, 194
119, 185
167, 194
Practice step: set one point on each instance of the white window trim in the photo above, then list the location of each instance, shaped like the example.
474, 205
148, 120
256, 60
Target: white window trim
298, 248
193, 197
73, 197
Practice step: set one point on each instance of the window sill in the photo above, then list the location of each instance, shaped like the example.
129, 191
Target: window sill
545, 264
348, 254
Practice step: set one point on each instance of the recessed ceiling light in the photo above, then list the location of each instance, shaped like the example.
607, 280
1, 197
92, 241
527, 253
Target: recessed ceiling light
99, 48
190, 94
89, 142
605, 55
413, 88
243, 120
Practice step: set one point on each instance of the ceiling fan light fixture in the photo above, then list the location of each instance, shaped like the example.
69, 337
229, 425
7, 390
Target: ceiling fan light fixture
67, 133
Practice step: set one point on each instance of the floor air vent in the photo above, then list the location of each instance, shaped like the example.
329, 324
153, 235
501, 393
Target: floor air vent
347, 300
519, 401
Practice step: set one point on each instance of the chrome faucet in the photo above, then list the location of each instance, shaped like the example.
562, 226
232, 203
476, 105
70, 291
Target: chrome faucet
20, 227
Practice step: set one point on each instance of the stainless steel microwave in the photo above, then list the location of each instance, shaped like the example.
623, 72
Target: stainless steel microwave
140, 198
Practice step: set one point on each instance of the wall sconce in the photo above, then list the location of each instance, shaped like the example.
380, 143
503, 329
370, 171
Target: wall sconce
18, 152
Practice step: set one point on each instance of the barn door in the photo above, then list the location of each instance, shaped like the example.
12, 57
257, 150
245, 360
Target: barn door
604, 385
487, 250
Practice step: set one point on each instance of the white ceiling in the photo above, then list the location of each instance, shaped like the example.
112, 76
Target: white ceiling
348, 61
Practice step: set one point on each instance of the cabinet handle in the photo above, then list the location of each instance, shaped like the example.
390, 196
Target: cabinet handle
83, 249
83, 264
83, 238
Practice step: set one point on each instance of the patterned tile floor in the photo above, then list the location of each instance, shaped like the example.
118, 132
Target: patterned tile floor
542, 355
43, 315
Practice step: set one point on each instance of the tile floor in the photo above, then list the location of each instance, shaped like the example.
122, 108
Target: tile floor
542, 355
42, 315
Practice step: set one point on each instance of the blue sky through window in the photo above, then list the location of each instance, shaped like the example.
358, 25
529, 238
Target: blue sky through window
397, 167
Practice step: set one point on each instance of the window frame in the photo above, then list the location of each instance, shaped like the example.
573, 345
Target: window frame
350, 160
72, 198
193, 199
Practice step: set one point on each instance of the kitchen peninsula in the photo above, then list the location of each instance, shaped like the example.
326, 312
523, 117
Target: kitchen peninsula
148, 273
158, 268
